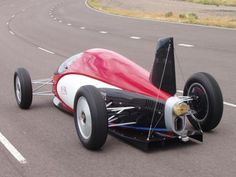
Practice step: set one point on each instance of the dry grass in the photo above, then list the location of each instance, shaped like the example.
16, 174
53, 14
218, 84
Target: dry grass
190, 18
215, 2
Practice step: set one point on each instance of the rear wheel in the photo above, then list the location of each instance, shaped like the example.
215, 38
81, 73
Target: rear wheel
90, 117
207, 105
23, 88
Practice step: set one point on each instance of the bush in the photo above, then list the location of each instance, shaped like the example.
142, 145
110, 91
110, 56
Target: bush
192, 16
169, 14
182, 16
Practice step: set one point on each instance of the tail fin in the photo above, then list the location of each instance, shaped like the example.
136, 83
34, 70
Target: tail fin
163, 70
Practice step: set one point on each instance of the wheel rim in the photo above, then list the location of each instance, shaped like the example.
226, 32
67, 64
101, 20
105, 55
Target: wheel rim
201, 104
18, 89
84, 119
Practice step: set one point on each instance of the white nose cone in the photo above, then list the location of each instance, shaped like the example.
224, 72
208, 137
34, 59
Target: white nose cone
173, 122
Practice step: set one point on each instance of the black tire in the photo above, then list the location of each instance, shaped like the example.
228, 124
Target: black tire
90, 111
23, 88
209, 101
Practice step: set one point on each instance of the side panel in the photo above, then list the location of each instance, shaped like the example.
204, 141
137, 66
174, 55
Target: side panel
69, 84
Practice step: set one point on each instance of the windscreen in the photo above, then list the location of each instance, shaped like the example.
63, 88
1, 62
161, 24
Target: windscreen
67, 63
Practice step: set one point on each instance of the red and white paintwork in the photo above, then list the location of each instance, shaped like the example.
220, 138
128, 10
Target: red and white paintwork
103, 69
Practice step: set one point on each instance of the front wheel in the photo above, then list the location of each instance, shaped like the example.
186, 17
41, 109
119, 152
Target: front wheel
23, 88
90, 117
207, 104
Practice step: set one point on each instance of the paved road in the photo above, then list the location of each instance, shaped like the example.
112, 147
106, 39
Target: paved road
39, 35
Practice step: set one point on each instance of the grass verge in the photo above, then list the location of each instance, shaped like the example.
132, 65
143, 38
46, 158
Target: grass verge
215, 2
190, 18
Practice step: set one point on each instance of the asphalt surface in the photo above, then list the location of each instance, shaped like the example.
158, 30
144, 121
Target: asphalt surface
39, 35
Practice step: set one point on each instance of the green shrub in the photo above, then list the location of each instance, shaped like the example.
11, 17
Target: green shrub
192, 16
169, 14
182, 16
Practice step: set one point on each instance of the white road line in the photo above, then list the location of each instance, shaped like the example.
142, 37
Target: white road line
69, 24
11, 32
229, 104
55, 19
135, 37
180, 91
13, 16
225, 103
7, 23
82, 28
103, 32
12, 149
185, 45
60, 21
45, 50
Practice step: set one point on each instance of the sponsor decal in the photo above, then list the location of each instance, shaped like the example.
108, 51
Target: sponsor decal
63, 90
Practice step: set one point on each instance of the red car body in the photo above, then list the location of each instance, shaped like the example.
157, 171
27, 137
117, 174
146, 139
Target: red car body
114, 69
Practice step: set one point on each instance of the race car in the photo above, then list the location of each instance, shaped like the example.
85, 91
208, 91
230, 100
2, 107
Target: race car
106, 92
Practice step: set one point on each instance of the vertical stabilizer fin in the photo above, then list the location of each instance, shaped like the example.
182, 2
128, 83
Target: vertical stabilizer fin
163, 70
